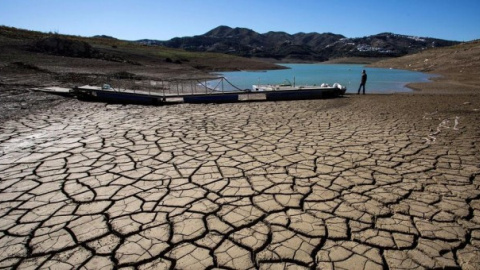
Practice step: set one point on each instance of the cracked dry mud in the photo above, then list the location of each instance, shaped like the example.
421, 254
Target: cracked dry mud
381, 182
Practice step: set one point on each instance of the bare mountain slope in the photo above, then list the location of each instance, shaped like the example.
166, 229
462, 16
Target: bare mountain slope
62, 54
300, 46
459, 67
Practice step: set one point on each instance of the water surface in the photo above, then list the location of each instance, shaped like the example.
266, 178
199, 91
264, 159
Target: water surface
380, 80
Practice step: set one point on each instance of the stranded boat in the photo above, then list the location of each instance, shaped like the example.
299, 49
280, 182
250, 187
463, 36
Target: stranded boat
191, 91
287, 91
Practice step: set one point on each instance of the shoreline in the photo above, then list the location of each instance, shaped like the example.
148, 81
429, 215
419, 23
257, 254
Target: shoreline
17, 100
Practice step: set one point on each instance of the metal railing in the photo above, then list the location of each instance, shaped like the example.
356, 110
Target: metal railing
173, 87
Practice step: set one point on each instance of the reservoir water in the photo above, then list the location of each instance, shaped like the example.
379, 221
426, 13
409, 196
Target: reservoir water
380, 80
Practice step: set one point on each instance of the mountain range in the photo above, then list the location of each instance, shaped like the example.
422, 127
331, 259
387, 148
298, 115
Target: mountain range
301, 46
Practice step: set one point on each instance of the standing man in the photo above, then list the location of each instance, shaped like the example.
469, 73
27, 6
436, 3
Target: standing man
363, 82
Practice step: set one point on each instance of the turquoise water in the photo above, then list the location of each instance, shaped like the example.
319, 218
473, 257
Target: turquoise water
380, 80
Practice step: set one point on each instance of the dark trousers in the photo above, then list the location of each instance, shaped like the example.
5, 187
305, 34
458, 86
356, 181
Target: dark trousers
362, 84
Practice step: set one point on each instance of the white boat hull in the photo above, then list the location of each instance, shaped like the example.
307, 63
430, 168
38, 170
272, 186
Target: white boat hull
279, 87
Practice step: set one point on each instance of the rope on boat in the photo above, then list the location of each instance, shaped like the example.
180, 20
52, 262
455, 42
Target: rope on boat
234, 85
206, 86
214, 89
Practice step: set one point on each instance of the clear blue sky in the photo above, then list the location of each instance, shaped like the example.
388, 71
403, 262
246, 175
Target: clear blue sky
166, 19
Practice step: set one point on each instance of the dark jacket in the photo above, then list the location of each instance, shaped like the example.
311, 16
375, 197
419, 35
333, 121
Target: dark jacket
364, 78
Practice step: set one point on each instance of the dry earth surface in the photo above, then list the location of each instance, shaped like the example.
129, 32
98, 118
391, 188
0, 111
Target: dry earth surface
360, 182
368, 182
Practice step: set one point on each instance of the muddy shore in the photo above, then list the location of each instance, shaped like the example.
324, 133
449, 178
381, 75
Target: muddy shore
17, 99
376, 181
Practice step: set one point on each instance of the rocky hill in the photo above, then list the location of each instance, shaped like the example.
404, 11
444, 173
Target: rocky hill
300, 46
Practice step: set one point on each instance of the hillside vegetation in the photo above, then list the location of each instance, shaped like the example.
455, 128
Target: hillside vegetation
65, 54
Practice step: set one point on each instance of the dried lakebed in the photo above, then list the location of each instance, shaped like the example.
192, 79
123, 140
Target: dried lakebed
358, 182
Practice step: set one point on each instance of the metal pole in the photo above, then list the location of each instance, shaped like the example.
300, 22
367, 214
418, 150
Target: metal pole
150, 88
